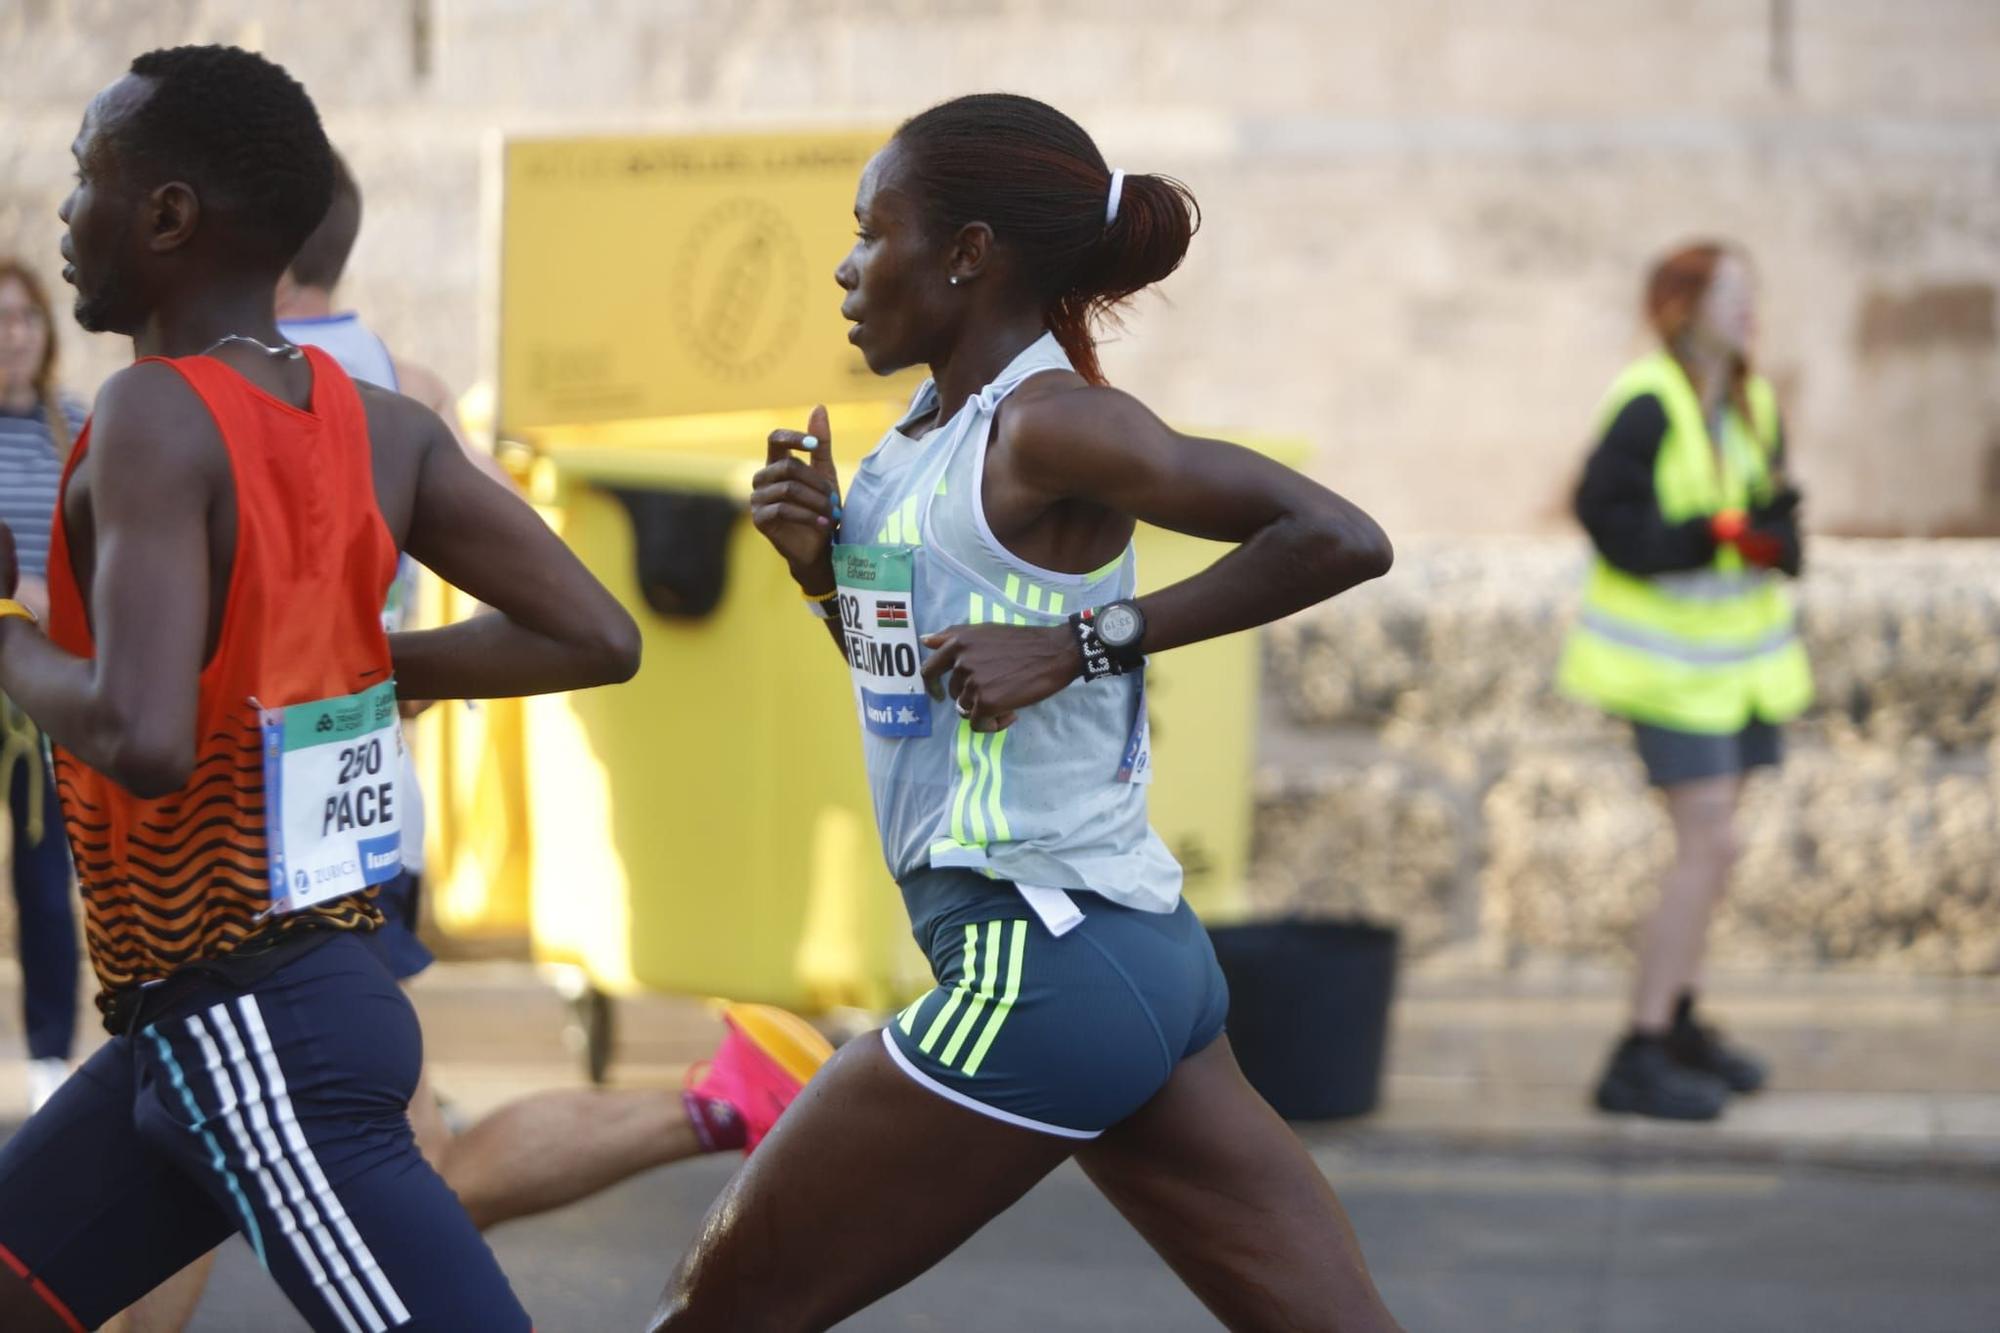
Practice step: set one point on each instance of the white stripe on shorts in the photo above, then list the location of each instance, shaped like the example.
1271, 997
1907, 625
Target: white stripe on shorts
259, 1163
302, 1155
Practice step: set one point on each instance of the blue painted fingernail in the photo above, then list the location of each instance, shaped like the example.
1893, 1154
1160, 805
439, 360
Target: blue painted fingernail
809, 443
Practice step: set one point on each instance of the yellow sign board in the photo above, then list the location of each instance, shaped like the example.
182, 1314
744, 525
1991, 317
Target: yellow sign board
668, 275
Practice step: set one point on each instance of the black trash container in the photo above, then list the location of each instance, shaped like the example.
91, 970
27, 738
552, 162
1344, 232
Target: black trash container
1309, 1012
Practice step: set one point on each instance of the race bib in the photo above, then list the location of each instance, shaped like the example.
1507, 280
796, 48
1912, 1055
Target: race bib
877, 619
331, 771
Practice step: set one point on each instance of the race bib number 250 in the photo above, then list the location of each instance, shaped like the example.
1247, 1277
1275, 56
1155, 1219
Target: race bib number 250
332, 817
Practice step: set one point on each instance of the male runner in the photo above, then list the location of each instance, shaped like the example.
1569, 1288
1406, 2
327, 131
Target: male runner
547, 1149
221, 698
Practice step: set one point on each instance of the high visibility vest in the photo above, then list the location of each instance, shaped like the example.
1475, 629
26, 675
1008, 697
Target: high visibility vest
1703, 650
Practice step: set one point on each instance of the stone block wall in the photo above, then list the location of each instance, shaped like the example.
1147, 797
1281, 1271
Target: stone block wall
1426, 222
1425, 228
1418, 767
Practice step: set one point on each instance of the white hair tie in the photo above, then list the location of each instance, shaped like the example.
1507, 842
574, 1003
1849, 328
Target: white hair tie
1117, 191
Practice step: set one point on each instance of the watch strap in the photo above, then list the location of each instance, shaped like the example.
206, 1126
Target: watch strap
1097, 661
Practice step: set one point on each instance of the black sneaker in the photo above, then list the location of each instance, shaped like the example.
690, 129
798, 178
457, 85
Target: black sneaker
1702, 1048
1644, 1079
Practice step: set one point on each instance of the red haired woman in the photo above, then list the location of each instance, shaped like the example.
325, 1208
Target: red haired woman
1687, 630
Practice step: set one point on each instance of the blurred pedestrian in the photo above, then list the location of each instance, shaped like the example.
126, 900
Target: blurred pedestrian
37, 423
1687, 630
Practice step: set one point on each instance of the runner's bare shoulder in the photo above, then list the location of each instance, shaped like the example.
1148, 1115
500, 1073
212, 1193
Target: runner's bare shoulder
149, 407
1058, 422
400, 429
402, 435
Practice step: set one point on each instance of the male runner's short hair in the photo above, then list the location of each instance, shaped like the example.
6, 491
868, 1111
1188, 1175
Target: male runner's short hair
243, 133
323, 258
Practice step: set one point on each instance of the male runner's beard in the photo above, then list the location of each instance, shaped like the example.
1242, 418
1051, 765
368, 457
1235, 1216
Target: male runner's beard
96, 310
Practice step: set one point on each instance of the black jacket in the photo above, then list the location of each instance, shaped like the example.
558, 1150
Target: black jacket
1618, 507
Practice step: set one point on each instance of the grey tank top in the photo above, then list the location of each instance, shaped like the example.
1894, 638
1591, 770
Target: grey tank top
1056, 801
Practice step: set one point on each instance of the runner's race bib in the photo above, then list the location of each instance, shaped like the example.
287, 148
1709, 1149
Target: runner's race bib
878, 625
330, 778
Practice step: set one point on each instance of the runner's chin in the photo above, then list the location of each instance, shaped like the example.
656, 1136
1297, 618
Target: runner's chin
880, 361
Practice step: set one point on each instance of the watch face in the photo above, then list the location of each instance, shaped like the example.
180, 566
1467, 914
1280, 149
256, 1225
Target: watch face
1118, 625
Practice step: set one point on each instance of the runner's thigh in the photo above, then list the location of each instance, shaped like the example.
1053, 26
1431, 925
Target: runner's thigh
1225, 1192
868, 1180
290, 1102
92, 1216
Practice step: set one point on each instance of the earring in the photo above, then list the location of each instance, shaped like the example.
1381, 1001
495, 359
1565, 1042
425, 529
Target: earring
954, 279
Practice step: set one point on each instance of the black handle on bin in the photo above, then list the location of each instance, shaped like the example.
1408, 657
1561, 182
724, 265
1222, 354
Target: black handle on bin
680, 542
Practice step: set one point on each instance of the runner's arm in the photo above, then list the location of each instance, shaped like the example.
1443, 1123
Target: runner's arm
1297, 543
155, 467
554, 626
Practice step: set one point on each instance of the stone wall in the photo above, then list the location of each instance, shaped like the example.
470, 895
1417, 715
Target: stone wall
1425, 221
1419, 767
1425, 225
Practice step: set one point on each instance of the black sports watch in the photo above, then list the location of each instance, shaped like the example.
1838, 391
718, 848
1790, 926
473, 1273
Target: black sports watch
1108, 638
1121, 628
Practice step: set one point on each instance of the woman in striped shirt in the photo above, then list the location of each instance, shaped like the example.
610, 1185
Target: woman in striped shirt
37, 426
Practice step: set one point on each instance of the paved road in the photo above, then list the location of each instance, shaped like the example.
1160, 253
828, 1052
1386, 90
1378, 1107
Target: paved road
1484, 1245
1567, 1222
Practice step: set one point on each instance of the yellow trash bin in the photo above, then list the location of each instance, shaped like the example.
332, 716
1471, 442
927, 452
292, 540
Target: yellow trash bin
705, 828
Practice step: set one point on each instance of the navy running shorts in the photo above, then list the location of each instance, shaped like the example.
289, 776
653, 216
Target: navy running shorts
280, 1112
1064, 1034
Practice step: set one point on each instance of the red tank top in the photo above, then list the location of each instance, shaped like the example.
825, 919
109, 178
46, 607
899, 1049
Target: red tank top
185, 878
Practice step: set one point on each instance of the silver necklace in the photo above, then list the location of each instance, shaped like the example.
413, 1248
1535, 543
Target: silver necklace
286, 350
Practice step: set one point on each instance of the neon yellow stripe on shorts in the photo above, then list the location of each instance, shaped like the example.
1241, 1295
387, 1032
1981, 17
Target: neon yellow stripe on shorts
1016, 949
986, 992
958, 992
